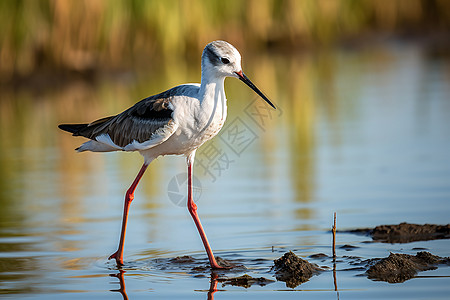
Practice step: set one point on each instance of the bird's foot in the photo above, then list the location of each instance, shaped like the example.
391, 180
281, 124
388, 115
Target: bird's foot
224, 264
117, 257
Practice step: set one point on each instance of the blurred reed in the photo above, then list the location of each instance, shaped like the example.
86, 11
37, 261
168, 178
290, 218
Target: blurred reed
84, 35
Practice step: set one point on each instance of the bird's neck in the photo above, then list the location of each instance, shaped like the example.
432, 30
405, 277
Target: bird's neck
212, 94
212, 90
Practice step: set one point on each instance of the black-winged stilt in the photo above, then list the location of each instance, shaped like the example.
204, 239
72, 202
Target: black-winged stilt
174, 122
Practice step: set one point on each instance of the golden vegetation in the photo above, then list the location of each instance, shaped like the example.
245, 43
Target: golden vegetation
84, 35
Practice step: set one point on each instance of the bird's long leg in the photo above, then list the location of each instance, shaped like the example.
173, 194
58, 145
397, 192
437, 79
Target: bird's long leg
129, 196
192, 207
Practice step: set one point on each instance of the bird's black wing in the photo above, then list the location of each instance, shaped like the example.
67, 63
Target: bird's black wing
138, 123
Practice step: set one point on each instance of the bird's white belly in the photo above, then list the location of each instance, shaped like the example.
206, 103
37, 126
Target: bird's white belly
185, 140
190, 140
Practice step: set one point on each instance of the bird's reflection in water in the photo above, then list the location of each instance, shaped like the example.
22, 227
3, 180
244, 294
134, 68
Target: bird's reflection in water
122, 291
212, 286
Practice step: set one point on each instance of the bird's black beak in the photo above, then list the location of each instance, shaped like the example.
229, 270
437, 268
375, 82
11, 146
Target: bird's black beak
247, 81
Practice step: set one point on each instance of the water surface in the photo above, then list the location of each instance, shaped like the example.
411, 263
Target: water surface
362, 133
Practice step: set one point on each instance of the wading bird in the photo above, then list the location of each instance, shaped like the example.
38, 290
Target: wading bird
174, 122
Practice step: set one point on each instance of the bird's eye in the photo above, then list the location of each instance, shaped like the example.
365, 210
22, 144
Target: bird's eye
224, 60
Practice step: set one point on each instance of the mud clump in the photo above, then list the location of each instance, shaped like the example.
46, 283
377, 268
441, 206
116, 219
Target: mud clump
226, 263
406, 232
348, 247
245, 281
183, 259
196, 265
398, 268
318, 255
293, 270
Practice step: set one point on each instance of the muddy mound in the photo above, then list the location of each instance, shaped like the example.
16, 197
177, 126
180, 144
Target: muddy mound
190, 263
406, 232
293, 270
245, 281
183, 260
398, 268
227, 263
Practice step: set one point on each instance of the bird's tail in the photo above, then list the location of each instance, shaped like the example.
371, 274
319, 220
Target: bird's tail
73, 128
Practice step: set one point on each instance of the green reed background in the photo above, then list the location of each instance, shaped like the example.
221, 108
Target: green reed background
86, 35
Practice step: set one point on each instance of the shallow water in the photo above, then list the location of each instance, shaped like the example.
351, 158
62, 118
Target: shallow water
362, 133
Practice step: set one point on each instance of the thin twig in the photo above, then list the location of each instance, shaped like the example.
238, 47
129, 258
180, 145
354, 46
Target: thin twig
334, 237
334, 255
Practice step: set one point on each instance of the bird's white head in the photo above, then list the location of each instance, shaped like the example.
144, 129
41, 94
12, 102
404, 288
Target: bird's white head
220, 59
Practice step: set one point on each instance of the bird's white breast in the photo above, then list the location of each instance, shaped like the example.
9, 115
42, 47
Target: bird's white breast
198, 120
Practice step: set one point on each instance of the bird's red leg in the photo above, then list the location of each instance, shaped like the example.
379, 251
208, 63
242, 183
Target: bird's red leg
192, 207
129, 196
